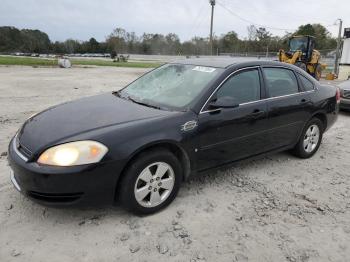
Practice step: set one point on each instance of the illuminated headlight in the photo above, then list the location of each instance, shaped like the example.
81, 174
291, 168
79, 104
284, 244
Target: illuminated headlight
73, 154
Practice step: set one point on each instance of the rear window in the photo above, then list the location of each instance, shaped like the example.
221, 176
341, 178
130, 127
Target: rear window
281, 81
307, 84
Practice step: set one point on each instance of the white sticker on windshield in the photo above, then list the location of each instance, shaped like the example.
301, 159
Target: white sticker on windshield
204, 69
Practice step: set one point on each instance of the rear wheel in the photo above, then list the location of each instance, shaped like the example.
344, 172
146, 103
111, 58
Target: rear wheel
151, 182
310, 139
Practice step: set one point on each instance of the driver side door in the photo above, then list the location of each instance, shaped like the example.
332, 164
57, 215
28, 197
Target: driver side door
229, 134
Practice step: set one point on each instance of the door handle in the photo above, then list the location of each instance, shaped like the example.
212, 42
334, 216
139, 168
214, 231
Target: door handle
256, 114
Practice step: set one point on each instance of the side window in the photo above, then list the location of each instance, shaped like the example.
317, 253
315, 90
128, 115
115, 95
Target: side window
308, 85
244, 87
280, 81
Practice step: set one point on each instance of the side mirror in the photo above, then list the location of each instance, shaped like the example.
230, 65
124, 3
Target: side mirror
224, 102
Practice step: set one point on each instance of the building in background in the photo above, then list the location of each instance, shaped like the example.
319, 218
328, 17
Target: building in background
344, 65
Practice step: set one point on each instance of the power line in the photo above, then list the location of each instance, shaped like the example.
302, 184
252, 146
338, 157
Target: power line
251, 22
271, 11
261, 25
331, 25
198, 20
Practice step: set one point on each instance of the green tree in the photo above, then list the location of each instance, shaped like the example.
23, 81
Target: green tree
262, 34
307, 29
10, 39
173, 43
93, 46
117, 40
58, 48
26, 40
229, 42
132, 42
323, 38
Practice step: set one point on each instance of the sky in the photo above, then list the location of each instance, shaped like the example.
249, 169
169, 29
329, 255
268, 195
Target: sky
82, 19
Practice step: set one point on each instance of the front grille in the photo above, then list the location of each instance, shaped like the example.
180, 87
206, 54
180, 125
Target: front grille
55, 198
346, 93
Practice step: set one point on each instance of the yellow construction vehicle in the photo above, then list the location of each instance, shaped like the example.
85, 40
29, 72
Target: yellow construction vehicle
303, 54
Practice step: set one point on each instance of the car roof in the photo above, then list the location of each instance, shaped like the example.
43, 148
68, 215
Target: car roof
226, 62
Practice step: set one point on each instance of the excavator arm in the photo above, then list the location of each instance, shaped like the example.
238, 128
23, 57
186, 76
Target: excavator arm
283, 57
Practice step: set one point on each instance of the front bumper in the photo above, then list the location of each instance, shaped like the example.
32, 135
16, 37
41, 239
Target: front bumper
85, 184
344, 103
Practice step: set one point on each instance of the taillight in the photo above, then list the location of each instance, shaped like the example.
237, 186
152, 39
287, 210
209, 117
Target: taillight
337, 95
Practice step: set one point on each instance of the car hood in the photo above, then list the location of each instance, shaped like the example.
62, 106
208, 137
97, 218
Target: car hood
344, 85
66, 120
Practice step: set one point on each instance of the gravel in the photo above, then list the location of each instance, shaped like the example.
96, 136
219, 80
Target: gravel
134, 248
162, 248
278, 208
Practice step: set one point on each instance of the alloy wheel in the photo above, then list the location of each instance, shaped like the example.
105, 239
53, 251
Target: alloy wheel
311, 138
154, 184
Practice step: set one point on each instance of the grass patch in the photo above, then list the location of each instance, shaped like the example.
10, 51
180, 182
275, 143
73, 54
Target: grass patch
27, 61
100, 62
34, 61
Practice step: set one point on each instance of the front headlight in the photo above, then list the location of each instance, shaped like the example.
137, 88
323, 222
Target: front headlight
73, 153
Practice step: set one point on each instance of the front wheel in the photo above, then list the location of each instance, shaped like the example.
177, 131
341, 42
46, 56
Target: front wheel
151, 182
310, 139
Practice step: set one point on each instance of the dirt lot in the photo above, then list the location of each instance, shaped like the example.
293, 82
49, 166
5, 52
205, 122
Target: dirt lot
278, 208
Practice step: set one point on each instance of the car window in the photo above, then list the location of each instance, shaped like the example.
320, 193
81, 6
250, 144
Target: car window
244, 87
280, 82
308, 85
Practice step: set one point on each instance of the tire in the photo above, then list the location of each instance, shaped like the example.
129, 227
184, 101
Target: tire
301, 65
156, 191
310, 139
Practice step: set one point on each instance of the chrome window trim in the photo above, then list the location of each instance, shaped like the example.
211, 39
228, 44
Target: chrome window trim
16, 149
277, 97
313, 84
295, 72
262, 100
256, 101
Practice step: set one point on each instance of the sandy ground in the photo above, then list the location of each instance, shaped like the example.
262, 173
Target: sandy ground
278, 208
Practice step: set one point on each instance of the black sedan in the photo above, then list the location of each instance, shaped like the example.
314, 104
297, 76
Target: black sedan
137, 145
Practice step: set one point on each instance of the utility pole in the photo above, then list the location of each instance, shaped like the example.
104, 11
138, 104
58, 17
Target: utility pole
212, 2
337, 52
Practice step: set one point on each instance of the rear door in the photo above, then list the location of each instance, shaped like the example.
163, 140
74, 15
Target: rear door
287, 104
230, 134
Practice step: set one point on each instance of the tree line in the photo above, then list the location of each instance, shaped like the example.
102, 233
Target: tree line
122, 42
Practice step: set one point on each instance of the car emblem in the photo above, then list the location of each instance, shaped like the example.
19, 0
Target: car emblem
190, 125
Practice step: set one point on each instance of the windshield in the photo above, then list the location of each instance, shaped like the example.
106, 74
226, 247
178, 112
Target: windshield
298, 44
170, 86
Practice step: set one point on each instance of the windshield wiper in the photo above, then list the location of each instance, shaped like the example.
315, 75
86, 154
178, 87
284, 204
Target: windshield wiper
142, 103
118, 94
